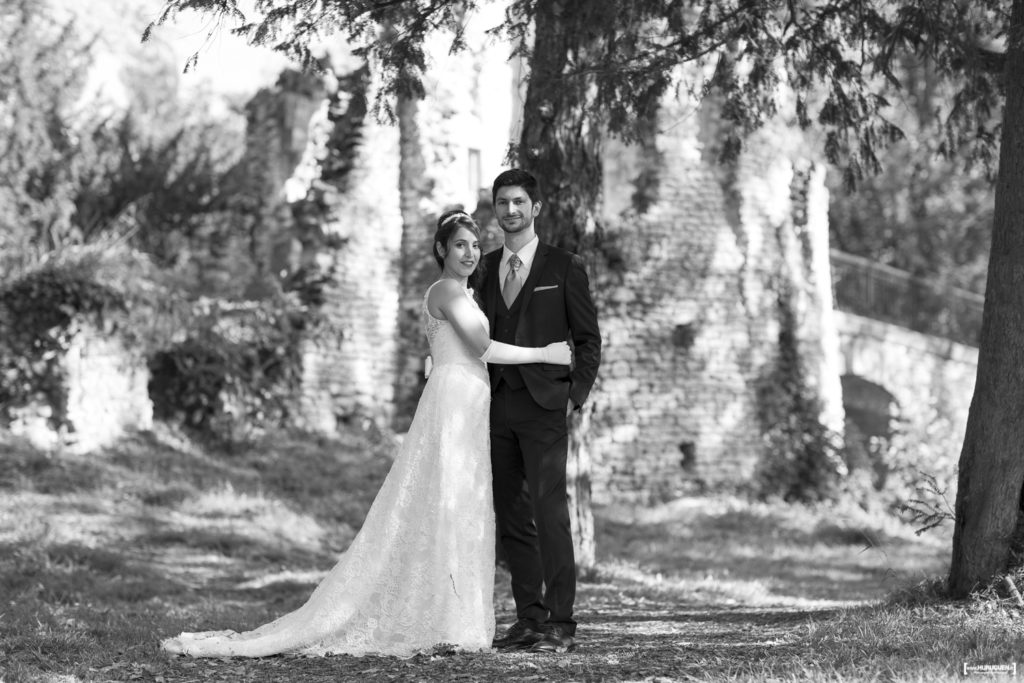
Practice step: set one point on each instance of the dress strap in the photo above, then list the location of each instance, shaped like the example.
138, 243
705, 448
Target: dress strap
468, 291
427, 293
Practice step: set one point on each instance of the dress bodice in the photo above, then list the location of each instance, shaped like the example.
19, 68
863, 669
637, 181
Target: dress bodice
446, 347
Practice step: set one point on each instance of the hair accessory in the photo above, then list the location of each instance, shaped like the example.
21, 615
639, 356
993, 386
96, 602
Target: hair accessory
457, 214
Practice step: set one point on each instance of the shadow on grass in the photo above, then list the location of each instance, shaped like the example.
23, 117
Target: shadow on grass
27, 469
720, 616
71, 574
335, 480
225, 543
802, 558
97, 612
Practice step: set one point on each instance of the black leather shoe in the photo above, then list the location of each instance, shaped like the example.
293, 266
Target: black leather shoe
519, 636
555, 639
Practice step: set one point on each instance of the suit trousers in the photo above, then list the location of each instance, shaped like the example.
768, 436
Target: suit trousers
529, 446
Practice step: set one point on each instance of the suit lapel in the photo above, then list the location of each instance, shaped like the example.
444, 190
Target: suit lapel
538, 265
491, 288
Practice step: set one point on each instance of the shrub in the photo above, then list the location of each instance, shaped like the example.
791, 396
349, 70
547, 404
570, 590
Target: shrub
239, 369
38, 317
802, 457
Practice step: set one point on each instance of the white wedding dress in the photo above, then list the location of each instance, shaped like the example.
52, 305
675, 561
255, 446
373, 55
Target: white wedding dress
421, 570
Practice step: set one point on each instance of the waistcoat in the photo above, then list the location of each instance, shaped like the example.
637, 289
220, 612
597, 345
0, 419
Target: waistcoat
505, 322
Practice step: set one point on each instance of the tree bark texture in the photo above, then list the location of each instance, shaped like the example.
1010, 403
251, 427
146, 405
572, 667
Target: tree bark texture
561, 144
562, 134
577, 472
991, 470
417, 267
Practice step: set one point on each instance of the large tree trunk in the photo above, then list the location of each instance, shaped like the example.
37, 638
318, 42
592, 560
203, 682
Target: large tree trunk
415, 262
561, 145
562, 134
992, 459
577, 471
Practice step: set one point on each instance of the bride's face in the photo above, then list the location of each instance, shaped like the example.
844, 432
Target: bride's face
462, 254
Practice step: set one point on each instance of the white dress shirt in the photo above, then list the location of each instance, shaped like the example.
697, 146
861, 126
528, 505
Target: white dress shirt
526, 255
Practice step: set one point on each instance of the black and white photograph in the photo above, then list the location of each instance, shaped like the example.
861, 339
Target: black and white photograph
649, 341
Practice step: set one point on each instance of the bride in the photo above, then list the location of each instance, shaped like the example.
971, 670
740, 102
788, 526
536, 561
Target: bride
420, 572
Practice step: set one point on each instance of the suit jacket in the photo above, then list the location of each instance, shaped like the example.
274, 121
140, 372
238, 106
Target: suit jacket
556, 306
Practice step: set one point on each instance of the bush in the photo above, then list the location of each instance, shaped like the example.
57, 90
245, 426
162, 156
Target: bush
38, 317
921, 470
239, 369
802, 458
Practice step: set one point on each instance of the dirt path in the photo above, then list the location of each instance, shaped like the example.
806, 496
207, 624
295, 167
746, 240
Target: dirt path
111, 554
637, 625
625, 635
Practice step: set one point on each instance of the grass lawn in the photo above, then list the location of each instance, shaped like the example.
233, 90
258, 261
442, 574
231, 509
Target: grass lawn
104, 554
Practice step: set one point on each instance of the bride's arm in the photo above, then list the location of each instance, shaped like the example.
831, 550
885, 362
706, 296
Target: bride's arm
448, 298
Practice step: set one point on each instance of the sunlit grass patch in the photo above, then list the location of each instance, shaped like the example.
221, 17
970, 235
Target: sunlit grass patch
795, 552
269, 515
225, 543
243, 526
624, 576
333, 480
282, 591
937, 638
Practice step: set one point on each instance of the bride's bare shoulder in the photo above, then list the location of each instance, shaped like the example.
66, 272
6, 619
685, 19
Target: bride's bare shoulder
443, 290
440, 294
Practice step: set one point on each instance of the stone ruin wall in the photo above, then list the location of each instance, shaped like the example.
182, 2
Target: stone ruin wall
692, 324
106, 394
349, 374
931, 381
108, 389
348, 371
358, 374
332, 170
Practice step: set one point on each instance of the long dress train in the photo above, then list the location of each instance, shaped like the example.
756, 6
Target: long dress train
420, 572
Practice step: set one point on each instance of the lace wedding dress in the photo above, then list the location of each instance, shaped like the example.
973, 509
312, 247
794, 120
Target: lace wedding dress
421, 570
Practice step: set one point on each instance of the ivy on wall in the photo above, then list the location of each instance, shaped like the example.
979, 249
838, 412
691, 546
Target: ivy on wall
802, 458
39, 315
238, 371
220, 368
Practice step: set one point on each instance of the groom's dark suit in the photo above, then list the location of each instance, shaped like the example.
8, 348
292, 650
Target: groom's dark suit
529, 437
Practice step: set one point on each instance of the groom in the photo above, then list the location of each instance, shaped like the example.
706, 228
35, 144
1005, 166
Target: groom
534, 294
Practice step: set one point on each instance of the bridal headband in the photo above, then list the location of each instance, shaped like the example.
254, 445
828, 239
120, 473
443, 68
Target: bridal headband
457, 214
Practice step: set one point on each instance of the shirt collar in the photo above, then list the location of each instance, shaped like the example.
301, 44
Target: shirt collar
526, 254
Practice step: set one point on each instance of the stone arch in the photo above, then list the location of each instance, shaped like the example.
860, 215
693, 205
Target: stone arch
871, 414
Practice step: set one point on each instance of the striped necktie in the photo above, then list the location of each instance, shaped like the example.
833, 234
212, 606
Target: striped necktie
510, 290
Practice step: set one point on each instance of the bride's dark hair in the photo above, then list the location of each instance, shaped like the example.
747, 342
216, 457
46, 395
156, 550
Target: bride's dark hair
447, 224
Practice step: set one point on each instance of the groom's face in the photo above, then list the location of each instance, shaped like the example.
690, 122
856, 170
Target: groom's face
514, 209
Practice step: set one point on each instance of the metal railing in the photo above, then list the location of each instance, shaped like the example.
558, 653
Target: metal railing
884, 293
